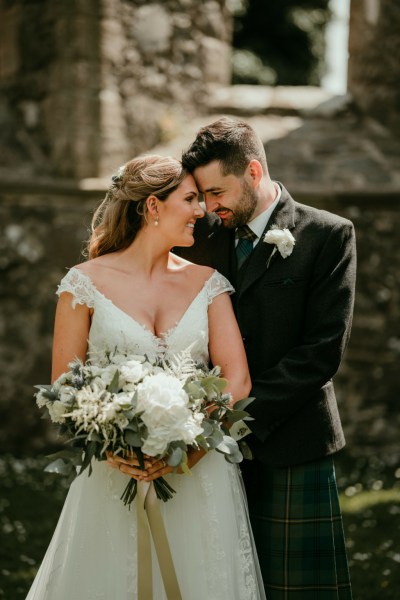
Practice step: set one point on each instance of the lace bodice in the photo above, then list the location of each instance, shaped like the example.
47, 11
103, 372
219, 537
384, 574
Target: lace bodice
111, 327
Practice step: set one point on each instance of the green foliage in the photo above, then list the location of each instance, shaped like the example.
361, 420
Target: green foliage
279, 42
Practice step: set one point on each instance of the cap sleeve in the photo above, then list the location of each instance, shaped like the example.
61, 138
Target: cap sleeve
216, 285
79, 285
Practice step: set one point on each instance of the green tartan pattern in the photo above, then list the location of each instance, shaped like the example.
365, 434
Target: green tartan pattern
297, 526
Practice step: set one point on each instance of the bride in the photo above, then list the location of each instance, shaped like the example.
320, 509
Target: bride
135, 295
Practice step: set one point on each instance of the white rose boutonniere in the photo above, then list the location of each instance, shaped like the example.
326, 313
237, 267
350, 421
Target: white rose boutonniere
283, 240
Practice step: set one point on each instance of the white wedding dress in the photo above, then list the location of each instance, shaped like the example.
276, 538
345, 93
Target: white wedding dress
93, 552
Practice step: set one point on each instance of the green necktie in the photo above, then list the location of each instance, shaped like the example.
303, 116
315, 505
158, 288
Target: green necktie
245, 244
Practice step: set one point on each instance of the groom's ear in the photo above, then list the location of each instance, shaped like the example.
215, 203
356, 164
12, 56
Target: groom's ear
254, 172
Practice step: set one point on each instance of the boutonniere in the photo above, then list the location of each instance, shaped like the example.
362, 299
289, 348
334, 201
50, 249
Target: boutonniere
283, 240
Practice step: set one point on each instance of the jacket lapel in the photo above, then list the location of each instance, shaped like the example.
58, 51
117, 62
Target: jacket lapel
283, 217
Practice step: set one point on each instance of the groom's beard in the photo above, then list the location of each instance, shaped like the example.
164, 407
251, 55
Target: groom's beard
244, 209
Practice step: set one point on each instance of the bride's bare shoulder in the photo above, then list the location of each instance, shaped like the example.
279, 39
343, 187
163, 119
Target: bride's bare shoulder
191, 269
94, 265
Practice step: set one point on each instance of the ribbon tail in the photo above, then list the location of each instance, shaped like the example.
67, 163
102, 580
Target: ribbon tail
161, 545
144, 567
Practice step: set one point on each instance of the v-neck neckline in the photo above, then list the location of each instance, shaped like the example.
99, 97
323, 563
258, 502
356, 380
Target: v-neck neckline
164, 334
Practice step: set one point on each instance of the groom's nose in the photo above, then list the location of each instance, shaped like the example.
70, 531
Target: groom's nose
211, 204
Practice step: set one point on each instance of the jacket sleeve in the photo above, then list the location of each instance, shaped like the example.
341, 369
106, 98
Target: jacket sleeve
297, 378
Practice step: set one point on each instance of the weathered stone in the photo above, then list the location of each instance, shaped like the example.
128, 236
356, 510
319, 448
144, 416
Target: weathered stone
214, 56
152, 28
374, 62
69, 76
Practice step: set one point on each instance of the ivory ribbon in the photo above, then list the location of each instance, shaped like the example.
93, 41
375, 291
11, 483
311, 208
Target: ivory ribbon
149, 517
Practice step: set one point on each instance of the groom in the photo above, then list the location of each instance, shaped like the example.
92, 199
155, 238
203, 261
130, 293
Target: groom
293, 301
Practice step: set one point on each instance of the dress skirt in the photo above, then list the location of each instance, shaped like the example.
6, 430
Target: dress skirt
93, 552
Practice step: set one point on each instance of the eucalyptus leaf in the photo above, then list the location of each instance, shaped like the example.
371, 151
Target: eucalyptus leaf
216, 438
220, 383
202, 442
60, 467
228, 445
194, 390
65, 453
246, 451
185, 468
90, 452
208, 427
132, 426
175, 457
133, 438
178, 444
235, 458
113, 386
236, 415
44, 386
242, 404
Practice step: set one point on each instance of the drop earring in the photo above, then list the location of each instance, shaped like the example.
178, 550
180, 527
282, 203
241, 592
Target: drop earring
156, 221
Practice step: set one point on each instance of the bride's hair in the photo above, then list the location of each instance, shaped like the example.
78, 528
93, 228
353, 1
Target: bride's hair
122, 213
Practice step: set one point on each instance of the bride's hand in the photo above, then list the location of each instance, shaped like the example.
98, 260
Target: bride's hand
129, 465
159, 468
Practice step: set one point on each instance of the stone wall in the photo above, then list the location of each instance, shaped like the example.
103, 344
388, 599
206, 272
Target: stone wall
87, 84
374, 61
42, 234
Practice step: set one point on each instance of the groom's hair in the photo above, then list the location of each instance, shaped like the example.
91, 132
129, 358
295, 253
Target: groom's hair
231, 142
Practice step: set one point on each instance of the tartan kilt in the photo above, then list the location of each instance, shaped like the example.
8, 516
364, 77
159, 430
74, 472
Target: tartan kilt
297, 527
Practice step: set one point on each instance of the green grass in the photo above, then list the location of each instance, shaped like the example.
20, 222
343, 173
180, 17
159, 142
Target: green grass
31, 500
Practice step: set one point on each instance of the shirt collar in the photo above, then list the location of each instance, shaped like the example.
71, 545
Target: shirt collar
258, 224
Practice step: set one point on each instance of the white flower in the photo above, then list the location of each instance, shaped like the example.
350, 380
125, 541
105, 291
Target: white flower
133, 371
67, 394
64, 377
123, 400
41, 399
57, 411
165, 413
283, 240
98, 383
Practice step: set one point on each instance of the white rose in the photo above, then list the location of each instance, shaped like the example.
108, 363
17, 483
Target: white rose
56, 411
165, 413
123, 401
154, 446
133, 371
282, 238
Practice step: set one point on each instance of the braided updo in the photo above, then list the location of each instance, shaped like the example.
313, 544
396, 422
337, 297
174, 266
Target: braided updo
122, 213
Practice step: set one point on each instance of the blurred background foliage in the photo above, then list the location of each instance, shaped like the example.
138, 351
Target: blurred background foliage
279, 43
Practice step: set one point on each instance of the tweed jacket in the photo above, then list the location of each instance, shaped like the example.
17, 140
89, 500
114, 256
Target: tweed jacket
295, 317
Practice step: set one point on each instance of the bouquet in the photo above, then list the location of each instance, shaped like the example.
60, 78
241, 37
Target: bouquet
124, 404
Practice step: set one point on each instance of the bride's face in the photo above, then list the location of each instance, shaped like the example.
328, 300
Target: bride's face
179, 212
